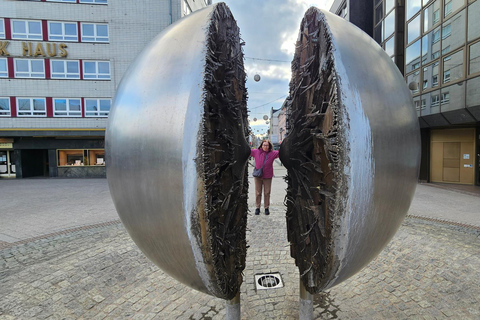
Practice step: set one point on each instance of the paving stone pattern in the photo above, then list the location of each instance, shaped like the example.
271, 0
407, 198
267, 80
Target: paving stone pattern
429, 271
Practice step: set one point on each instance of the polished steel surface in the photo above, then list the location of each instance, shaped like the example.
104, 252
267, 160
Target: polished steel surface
375, 141
152, 145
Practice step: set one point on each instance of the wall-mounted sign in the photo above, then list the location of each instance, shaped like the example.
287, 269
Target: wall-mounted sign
468, 165
466, 156
6, 145
32, 49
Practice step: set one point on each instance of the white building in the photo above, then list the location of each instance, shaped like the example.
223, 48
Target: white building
60, 64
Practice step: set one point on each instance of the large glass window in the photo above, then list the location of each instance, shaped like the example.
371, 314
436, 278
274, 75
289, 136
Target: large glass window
474, 60
473, 92
453, 67
412, 59
31, 107
26, 29
431, 46
379, 13
378, 33
65, 69
62, 31
96, 157
453, 32
413, 6
97, 107
81, 157
389, 24
63, 107
390, 46
473, 23
389, 4
5, 107
431, 15
2, 29
96, 70
430, 76
73, 1
432, 101
452, 6
29, 68
414, 78
94, 32
413, 28
452, 97
3, 68
186, 8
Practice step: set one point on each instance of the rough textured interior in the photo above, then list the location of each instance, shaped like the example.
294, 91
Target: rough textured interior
311, 153
225, 154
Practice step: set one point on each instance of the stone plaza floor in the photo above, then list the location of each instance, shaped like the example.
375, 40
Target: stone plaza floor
430, 270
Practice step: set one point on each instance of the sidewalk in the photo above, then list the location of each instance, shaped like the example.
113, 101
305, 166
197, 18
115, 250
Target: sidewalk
430, 270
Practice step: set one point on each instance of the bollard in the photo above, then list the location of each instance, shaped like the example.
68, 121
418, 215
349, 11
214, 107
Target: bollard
306, 303
233, 308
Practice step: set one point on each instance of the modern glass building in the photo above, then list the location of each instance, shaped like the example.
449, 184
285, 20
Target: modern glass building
436, 45
60, 64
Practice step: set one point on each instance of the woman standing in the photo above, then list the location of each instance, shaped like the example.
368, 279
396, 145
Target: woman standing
264, 150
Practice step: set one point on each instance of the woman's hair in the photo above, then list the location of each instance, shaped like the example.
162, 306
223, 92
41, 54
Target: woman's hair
270, 146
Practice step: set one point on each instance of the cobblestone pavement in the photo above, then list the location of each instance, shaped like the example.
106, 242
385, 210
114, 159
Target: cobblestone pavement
430, 270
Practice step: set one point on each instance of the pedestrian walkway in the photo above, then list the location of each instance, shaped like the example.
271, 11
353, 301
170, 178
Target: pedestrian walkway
92, 269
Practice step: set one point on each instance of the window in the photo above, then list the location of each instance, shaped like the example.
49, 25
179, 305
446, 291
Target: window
412, 7
389, 24
445, 97
96, 70
389, 4
94, 1
65, 69
431, 15
34, 107
62, 31
474, 61
424, 103
67, 107
452, 6
71, 157
72, 1
446, 31
446, 50
448, 7
3, 68
436, 36
93, 32
2, 29
81, 157
413, 28
435, 55
446, 76
97, 107
425, 84
29, 68
435, 100
186, 8
5, 107
26, 29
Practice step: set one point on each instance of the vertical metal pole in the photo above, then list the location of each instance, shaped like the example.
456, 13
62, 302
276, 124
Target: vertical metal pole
233, 308
306, 303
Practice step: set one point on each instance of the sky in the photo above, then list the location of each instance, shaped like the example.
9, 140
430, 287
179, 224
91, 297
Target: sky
269, 29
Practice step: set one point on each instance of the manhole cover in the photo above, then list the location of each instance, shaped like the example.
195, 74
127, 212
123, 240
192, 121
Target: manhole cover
268, 281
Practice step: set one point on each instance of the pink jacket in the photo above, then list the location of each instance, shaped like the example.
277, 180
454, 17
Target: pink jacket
259, 156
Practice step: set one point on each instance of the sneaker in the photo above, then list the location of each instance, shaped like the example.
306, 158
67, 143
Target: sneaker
267, 212
257, 211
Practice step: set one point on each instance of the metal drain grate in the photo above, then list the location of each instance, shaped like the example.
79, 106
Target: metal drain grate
268, 281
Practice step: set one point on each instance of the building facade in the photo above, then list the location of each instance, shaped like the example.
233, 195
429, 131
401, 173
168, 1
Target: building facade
60, 64
436, 46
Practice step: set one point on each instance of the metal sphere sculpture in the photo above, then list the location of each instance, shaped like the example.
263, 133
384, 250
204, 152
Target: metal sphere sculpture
352, 150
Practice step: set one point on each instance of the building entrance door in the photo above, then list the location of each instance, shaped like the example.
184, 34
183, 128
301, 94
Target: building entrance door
7, 164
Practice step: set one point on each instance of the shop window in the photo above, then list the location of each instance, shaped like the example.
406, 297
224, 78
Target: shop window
94, 32
31, 107
5, 107
94, 1
67, 107
72, 1
96, 157
97, 107
65, 69
99, 70
3, 68
72, 157
26, 29
62, 31
3, 162
474, 60
2, 29
29, 68
81, 157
